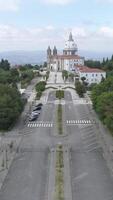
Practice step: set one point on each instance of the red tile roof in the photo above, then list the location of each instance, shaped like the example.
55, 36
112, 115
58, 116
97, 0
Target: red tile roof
85, 69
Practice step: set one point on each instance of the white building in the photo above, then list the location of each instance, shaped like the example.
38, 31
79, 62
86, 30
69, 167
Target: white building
92, 75
68, 60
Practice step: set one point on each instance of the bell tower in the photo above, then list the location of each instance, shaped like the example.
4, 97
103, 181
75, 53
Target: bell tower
54, 51
49, 54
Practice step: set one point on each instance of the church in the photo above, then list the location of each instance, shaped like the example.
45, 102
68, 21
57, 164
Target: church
68, 60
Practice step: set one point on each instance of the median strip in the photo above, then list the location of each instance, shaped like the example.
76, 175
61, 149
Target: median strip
59, 119
59, 178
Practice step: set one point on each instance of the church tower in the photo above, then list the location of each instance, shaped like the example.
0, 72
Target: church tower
49, 51
49, 54
54, 51
70, 46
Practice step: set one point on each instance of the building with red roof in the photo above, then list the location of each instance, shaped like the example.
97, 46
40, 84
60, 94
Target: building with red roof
67, 60
92, 75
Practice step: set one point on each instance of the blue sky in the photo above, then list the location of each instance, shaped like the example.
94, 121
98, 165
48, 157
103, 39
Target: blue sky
34, 24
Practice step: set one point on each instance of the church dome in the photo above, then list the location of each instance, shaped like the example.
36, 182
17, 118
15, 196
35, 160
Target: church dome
70, 44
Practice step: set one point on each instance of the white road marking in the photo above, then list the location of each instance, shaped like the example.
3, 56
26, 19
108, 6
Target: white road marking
43, 125
81, 176
94, 143
95, 148
80, 122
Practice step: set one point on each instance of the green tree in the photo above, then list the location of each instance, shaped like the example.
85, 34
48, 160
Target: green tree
4, 64
65, 75
11, 106
104, 108
80, 88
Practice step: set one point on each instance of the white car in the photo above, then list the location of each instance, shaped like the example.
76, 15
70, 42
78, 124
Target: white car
35, 113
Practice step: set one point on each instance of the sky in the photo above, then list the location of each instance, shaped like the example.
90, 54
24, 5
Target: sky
35, 24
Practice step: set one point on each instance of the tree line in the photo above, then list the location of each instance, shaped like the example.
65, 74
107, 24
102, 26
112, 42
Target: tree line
105, 64
11, 103
102, 98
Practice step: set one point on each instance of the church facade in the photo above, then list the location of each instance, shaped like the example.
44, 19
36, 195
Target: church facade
68, 60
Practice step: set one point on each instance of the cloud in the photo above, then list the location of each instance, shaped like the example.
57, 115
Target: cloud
38, 38
57, 2
105, 32
9, 5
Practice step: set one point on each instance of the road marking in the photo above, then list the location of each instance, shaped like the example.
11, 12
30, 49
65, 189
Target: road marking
89, 145
80, 122
95, 148
81, 176
37, 125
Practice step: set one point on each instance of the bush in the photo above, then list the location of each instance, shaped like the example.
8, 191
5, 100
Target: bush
40, 87
60, 94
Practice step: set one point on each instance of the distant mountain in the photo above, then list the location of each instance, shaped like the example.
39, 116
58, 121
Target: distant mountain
95, 55
38, 57
24, 57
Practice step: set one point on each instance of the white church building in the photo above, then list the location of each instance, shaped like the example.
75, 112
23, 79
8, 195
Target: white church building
67, 60
70, 61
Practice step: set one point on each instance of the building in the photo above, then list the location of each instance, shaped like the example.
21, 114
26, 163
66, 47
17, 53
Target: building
92, 75
70, 61
69, 58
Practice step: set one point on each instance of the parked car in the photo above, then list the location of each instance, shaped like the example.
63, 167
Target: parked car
32, 118
35, 113
39, 105
37, 108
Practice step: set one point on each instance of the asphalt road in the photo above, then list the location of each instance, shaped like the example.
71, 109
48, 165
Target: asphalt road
28, 175
90, 175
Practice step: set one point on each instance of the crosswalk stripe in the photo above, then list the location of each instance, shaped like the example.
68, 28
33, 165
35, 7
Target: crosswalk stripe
78, 122
34, 125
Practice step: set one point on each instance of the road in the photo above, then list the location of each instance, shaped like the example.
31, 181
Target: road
91, 178
28, 176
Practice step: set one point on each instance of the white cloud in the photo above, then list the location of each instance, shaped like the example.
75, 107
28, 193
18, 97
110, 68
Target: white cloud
14, 38
57, 2
105, 32
9, 5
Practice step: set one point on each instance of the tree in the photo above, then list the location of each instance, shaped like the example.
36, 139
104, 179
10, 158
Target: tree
71, 76
14, 75
65, 75
80, 88
40, 87
102, 98
83, 79
4, 64
104, 108
11, 106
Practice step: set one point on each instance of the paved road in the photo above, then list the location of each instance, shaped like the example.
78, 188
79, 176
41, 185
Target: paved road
91, 178
28, 176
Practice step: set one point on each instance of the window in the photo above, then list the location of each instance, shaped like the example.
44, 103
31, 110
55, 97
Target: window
96, 74
86, 75
93, 75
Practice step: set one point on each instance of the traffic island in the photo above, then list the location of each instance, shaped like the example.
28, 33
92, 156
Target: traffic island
59, 119
59, 177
